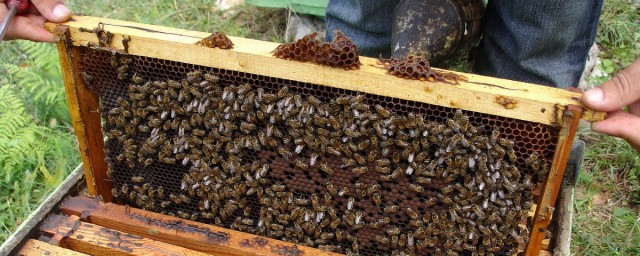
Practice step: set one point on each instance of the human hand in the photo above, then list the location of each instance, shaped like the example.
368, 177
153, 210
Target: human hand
611, 96
30, 25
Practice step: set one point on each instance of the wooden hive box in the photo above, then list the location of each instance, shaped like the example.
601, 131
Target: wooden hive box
102, 59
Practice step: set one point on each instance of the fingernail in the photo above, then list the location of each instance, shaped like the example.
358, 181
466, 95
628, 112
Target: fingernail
594, 95
61, 11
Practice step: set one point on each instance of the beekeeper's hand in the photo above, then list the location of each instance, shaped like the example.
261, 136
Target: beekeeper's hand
623, 90
30, 25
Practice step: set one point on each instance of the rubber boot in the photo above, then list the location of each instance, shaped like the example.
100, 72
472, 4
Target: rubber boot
435, 28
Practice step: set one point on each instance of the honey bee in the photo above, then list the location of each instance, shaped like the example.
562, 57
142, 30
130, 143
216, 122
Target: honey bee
211, 78
165, 204
276, 227
377, 200
469, 247
359, 158
387, 178
86, 77
278, 187
409, 170
494, 136
313, 158
325, 168
381, 239
382, 170
394, 231
350, 202
402, 240
185, 199
343, 191
301, 165
333, 151
284, 153
395, 157
371, 157
391, 209
416, 188
342, 101
531, 159
411, 213
114, 192
198, 132
382, 111
360, 170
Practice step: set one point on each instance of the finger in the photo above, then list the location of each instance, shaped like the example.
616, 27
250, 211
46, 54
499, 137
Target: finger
30, 27
620, 91
634, 108
621, 124
52, 10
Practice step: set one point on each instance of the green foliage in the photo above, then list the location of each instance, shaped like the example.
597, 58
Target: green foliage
36, 149
200, 15
617, 26
611, 166
614, 159
605, 230
39, 78
607, 220
618, 36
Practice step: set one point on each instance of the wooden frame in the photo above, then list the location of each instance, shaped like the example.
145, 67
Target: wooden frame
480, 93
545, 105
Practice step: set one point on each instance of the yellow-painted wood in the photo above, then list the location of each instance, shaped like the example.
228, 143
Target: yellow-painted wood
480, 93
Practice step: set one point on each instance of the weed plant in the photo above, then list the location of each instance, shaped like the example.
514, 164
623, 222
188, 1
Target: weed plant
37, 150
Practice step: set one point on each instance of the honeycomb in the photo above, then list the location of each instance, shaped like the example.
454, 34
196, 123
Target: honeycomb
216, 39
340, 52
417, 68
319, 166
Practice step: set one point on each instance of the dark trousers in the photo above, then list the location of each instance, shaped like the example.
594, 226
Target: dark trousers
541, 41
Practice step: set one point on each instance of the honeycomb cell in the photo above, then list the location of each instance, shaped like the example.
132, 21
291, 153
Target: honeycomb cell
443, 145
341, 52
216, 40
417, 68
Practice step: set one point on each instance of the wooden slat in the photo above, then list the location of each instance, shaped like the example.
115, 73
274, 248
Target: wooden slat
185, 233
545, 253
83, 110
94, 239
544, 211
481, 94
35, 247
545, 244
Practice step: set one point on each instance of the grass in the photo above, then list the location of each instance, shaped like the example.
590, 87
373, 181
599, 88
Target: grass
37, 150
607, 220
200, 15
607, 216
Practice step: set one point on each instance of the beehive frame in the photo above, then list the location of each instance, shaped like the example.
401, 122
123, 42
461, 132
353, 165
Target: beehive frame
521, 101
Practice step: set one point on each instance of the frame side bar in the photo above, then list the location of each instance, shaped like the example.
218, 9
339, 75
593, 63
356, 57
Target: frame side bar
544, 211
85, 117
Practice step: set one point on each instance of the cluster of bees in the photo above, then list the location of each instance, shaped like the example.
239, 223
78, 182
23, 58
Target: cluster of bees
216, 40
417, 68
475, 196
340, 52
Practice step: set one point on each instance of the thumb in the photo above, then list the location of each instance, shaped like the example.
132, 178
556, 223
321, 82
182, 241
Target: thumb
622, 90
55, 11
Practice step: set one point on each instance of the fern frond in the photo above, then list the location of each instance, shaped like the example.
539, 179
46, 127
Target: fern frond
42, 56
12, 112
